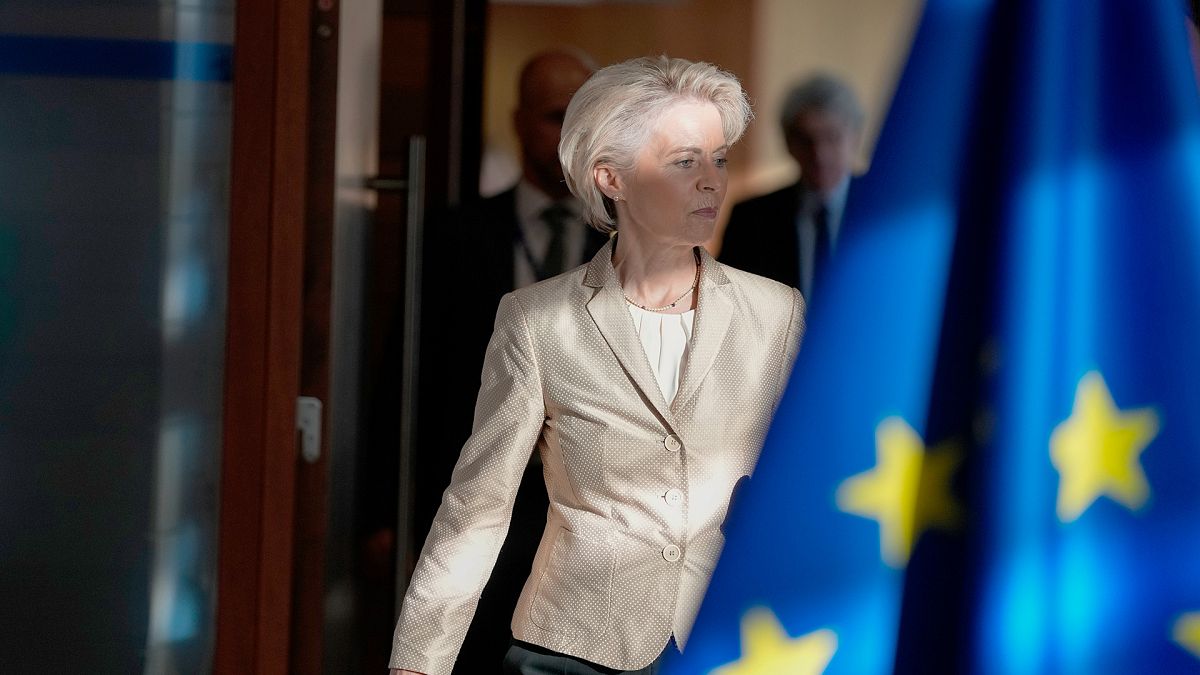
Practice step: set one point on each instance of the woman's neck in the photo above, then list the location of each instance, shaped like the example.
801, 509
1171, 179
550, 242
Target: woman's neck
655, 275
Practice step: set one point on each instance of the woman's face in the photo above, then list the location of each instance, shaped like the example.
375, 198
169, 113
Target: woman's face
674, 192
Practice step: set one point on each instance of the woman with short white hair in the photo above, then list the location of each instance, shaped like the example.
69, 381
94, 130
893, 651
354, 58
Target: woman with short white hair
645, 380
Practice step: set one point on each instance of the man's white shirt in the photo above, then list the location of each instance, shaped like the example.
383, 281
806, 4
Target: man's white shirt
536, 233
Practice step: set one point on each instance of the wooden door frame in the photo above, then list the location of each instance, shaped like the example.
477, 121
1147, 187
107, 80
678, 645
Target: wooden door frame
311, 522
263, 338
269, 596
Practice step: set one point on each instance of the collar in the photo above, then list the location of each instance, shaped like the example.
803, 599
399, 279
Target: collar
531, 201
601, 274
835, 202
715, 308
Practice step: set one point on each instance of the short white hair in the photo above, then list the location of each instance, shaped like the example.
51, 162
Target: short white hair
612, 115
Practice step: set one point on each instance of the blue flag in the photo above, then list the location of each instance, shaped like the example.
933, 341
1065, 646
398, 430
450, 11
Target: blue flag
988, 458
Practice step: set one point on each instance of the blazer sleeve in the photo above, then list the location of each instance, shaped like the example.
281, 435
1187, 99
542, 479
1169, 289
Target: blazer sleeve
474, 515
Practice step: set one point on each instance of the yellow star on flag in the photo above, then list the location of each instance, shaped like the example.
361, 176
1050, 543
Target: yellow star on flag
1187, 632
1096, 451
908, 491
767, 649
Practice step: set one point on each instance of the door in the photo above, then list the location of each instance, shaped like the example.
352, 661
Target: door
428, 145
270, 562
322, 250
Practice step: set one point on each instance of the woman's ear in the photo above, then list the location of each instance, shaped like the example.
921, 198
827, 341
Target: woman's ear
608, 181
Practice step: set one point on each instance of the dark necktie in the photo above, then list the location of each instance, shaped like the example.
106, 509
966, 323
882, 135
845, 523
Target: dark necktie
556, 217
823, 249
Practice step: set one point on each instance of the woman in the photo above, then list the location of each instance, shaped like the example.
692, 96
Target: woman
645, 380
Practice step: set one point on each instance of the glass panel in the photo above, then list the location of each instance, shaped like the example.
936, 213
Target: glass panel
114, 183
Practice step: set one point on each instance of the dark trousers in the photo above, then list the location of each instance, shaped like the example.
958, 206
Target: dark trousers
524, 658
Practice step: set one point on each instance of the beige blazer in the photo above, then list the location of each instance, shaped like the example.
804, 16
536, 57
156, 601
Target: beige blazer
638, 488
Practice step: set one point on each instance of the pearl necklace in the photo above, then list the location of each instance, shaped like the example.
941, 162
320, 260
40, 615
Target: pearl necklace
689, 291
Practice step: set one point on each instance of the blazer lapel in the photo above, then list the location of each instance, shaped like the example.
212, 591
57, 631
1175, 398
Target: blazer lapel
714, 312
608, 310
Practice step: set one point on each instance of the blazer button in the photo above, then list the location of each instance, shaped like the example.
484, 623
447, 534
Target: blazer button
674, 497
671, 553
672, 443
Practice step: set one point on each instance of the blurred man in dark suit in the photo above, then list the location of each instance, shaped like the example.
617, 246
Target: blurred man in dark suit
473, 256
790, 234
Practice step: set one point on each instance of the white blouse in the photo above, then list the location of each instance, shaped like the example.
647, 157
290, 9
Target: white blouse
665, 338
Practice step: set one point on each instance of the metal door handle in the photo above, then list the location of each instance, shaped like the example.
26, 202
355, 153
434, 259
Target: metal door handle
386, 184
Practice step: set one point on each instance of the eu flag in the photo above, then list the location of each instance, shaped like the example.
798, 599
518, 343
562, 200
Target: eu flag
988, 458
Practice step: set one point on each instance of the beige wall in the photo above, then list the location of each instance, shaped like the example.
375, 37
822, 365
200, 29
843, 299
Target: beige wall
718, 31
769, 44
863, 41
